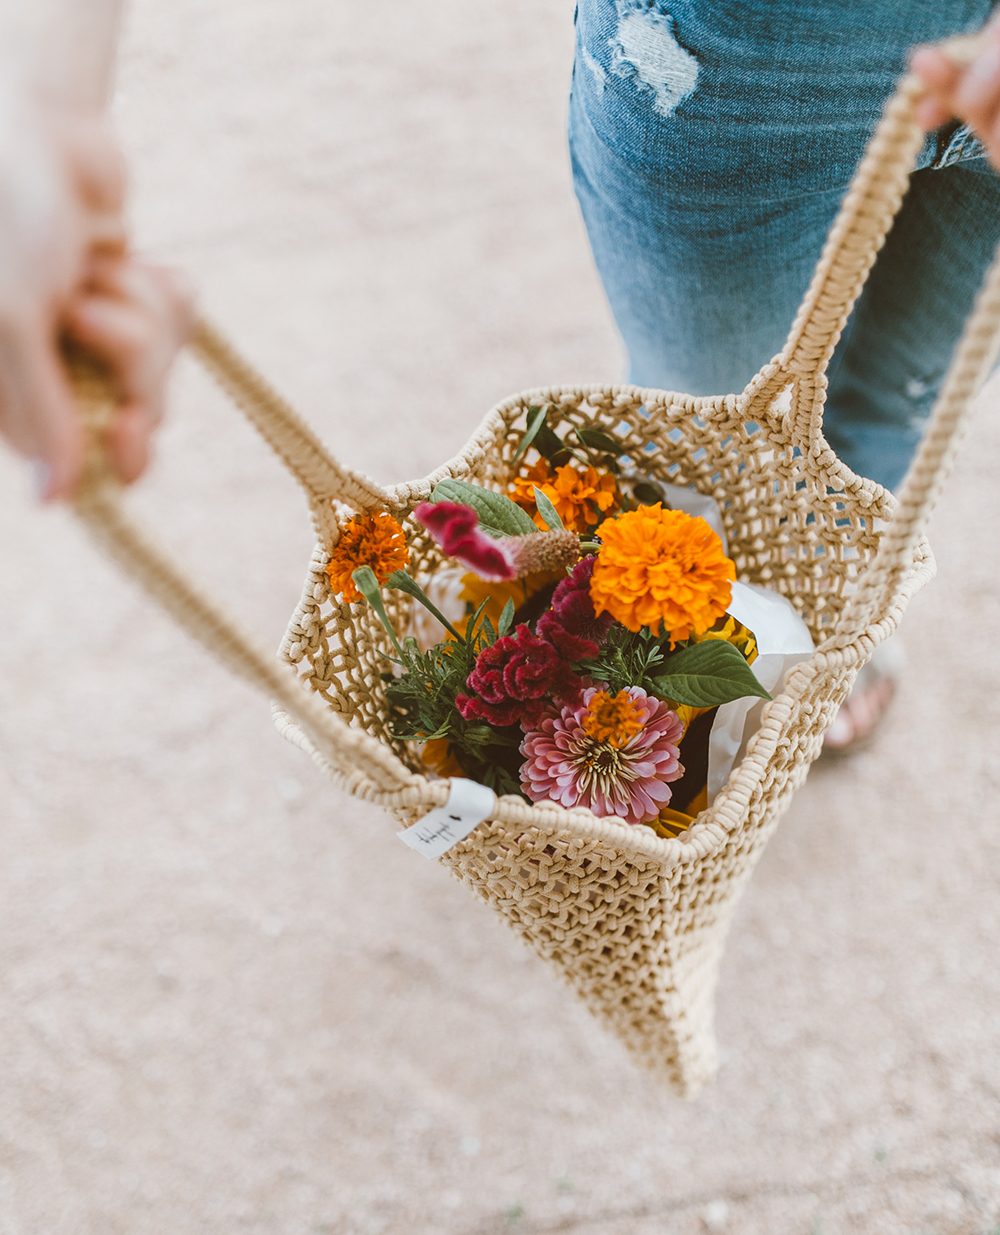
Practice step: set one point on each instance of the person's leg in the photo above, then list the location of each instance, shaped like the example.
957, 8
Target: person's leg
910, 316
891, 364
711, 145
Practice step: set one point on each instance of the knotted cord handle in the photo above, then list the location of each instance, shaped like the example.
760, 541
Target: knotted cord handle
974, 358
365, 766
322, 478
858, 233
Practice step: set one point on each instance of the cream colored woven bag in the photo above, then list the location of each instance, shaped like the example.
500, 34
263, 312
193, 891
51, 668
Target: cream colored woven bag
634, 923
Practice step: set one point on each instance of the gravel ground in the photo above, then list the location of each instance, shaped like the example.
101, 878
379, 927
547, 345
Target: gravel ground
231, 1001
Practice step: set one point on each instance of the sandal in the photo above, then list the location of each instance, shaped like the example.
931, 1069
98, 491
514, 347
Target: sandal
864, 707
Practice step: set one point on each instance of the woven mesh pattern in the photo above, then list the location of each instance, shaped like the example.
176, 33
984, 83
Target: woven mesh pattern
639, 939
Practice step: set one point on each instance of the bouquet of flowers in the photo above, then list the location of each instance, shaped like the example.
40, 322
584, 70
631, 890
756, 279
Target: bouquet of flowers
579, 649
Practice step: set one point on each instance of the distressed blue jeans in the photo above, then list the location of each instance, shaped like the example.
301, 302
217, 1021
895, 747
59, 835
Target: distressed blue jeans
712, 142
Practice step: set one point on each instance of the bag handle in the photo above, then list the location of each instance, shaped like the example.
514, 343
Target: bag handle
971, 365
363, 765
858, 233
322, 478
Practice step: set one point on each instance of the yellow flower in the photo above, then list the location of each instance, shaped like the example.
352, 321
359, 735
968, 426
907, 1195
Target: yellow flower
661, 566
687, 713
374, 540
670, 823
733, 632
436, 755
580, 497
476, 590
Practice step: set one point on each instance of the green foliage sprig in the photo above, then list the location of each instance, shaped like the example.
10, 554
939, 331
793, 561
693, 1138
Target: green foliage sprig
599, 449
699, 675
422, 697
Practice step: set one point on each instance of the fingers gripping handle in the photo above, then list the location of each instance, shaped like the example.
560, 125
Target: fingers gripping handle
365, 765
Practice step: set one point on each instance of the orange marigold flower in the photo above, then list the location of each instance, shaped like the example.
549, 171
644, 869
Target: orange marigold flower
436, 755
522, 488
661, 566
374, 540
613, 718
580, 497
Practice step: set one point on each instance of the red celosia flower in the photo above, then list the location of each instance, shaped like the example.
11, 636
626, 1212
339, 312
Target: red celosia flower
571, 624
516, 679
455, 528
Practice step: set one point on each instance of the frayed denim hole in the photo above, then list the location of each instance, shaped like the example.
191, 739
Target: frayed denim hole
956, 143
595, 69
645, 50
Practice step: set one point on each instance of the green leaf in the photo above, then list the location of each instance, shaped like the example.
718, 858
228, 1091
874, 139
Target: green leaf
479, 735
549, 444
506, 618
647, 494
550, 516
367, 585
471, 630
594, 439
441, 732
707, 674
402, 582
535, 421
498, 515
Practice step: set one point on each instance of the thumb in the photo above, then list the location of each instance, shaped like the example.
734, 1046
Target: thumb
39, 414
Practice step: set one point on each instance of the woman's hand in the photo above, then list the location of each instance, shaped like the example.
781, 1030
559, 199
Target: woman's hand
970, 92
65, 271
135, 317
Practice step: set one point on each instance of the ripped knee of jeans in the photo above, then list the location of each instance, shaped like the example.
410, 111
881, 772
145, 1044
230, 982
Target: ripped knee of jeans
644, 48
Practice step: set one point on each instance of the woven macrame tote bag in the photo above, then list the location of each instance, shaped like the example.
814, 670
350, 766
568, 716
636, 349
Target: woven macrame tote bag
634, 923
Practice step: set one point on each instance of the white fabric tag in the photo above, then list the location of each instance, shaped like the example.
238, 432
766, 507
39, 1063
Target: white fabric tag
467, 806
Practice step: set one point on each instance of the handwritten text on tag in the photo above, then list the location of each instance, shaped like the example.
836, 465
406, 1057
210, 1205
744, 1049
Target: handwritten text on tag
467, 806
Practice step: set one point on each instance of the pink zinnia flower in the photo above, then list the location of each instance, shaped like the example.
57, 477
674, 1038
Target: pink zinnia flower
516, 679
613, 754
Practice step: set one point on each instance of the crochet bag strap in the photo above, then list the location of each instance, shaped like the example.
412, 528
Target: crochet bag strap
363, 765
857, 234
320, 475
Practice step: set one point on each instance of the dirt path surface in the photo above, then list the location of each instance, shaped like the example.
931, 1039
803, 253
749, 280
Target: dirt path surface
231, 1001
